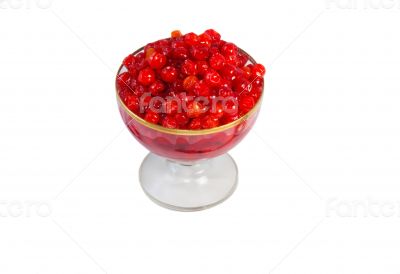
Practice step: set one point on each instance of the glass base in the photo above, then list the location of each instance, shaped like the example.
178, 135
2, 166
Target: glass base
188, 186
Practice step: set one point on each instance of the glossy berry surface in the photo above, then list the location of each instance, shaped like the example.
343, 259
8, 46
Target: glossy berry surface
190, 81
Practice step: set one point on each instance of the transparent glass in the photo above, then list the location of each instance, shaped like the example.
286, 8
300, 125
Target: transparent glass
188, 170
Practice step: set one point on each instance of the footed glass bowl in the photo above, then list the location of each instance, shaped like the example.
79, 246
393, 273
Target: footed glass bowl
188, 170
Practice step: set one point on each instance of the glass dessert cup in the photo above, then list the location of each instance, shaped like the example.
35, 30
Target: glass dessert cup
188, 170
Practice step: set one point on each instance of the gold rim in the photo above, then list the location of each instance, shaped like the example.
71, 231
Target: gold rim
186, 131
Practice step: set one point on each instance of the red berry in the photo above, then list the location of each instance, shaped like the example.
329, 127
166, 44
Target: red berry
199, 52
195, 123
205, 39
212, 78
181, 119
246, 103
146, 76
217, 61
225, 92
171, 106
229, 72
194, 109
152, 117
201, 89
169, 122
258, 70
156, 88
132, 103
190, 82
231, 107
217, 110
169, 74
129, 62
215, 36
202, 67
189, 67
123, 81
191, 39
209, 121
229, 49
180, 53
157, 60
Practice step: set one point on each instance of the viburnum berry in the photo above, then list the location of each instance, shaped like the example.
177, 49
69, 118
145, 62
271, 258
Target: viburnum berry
176, 33
171, 106
169, 122
169, 74
152, 117
146, 76
199, 52
258, 70
205, 39
189, 67
123, 81
195, 123
157, 60
246, 103
213, 78
217, 61
191, 39
201, 89
129, 62
229, 49
194, 109
156, 88
132, 102
190, 82
215, 36
181, 119
209, 121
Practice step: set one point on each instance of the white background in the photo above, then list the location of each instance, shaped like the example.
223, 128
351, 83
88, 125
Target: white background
319, 174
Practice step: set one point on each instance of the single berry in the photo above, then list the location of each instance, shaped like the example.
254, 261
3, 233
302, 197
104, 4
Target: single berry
258, 70
213, 79
215, 36
205, 39
157, 60
195, 123
152, 117
191, 39
229, 49
176, 33
169, 74
209, 121
194, 109
129, 62
202, 67
156, 88
246, 103
217, 61
123, 81
146, 76
132, 103
190, 82
189, 67
217, 110
199, 52
201, 89
181, 119
169, 122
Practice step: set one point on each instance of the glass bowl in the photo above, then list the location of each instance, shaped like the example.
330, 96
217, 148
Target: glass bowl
188, 170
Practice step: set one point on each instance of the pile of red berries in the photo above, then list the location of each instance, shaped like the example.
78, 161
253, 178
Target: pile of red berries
190, 81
